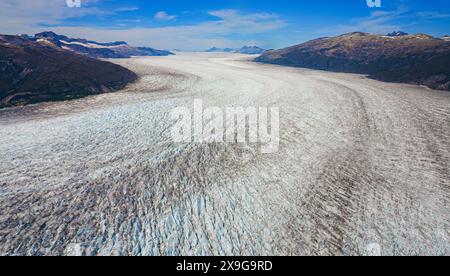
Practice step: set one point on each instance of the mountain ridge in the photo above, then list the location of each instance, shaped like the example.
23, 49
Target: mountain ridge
397, 33
416, 59
31, 73
249, 50
118, 49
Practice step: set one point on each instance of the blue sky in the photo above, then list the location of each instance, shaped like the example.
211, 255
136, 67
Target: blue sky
200, 24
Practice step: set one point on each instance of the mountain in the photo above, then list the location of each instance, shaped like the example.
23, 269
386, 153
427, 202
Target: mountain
416, 59
248, 50
119, 49
397, 33
446, 38
218, 50
32, 72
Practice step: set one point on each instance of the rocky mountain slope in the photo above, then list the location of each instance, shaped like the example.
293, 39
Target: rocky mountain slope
119, 49
32, 72
416, 59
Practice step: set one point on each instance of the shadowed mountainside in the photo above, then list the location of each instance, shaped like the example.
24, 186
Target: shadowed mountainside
32, 73
416, 59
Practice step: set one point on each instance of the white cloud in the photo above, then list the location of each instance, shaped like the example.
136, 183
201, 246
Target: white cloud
162, 15
433, 15
126, 9
383, 22
215, 32
379, 22
24, 16
234, 21
229, 28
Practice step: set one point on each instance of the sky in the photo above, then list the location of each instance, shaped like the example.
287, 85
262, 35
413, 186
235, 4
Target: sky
202, 24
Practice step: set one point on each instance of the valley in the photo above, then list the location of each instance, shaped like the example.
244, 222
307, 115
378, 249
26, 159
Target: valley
360, 162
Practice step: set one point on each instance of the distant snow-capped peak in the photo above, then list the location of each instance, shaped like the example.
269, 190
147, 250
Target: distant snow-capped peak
397, 33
